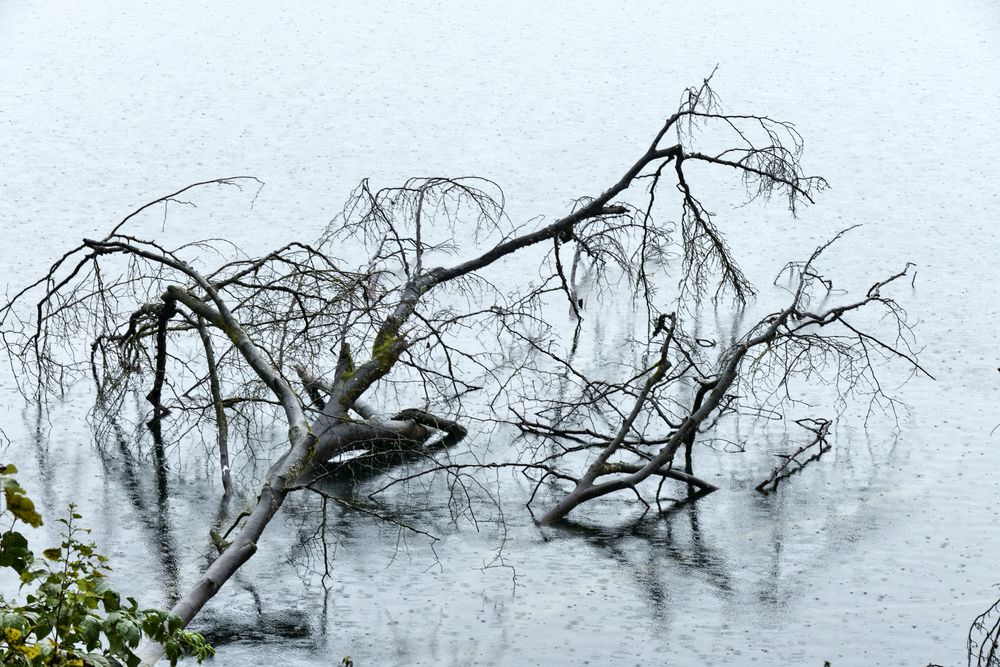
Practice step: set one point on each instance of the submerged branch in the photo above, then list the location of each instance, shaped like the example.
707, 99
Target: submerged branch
794, 462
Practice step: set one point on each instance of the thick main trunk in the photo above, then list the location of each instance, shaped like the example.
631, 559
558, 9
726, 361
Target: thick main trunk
244, 545
326, 438
302, 446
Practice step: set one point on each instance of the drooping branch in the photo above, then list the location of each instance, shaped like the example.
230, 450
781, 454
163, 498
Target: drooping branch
163, 315
221, 421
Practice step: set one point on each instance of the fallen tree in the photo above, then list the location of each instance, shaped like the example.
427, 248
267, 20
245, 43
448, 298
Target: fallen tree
327, 346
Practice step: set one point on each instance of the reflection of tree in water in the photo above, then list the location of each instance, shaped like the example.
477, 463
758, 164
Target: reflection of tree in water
340, 513
692, 549
39, 429
403, 528
659, 553
133, 475
838, 533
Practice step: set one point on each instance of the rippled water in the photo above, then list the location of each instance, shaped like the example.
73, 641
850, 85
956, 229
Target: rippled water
879, 555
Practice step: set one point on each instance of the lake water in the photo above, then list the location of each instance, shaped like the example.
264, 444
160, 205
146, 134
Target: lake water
881, 554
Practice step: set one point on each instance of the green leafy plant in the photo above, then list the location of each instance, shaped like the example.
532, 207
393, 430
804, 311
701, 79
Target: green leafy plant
70, 615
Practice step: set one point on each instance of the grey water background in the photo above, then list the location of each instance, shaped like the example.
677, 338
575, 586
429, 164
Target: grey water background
879, 555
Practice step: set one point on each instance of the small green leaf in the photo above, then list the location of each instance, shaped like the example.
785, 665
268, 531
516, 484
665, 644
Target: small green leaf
21, 506
14, 552
96, 660
174, 623
112, 601
90, 632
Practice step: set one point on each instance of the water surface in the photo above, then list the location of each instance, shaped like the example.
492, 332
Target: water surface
880, 555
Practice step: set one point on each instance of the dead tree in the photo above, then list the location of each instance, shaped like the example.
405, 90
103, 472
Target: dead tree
330, 348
